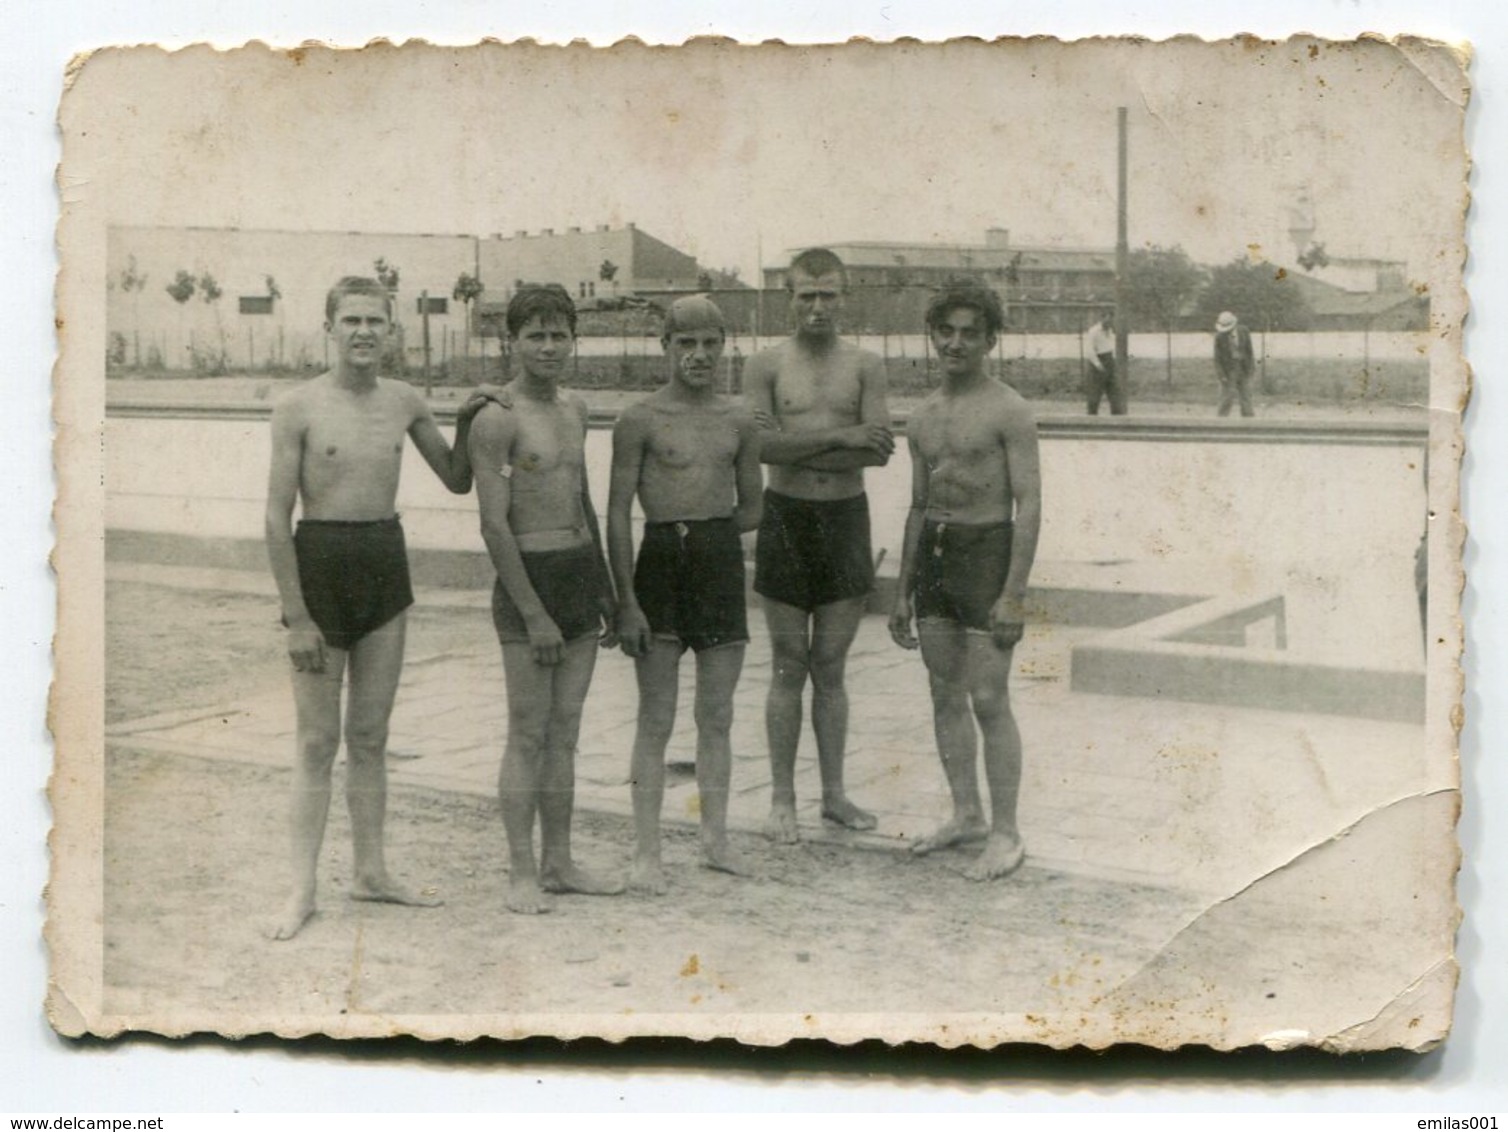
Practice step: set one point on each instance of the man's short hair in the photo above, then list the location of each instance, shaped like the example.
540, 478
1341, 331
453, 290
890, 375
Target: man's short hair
692, 312
540, 300
814, 263
356, 285
968, 296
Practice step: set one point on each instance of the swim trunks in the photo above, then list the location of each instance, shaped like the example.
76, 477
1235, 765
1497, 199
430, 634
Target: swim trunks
570, 586
354, 575
689, 582
961, 572
812, 552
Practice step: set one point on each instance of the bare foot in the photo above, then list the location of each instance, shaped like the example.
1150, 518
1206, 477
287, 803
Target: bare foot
525, 898
646, 878
573, 879
389, 891
780, 826
1000, 857
959, 831
842, 812
294, 916
720, 859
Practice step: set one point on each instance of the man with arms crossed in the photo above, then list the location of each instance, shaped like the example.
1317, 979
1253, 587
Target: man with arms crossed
971, 536
337, 447
823, 401
552, 593
692, 457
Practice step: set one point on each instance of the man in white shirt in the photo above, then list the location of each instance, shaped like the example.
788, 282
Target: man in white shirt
1103, 380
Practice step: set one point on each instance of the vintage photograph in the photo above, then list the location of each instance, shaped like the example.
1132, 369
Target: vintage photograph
948, 543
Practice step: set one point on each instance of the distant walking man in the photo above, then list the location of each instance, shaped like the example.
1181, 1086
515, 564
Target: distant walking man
823, 401
1234, 363
1103, 379
691, 456
552, 602
971, 536
342, 579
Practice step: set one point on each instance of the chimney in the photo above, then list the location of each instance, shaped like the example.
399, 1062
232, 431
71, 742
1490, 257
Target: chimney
630, 225
574, 229
547, 231
520, 234
997, 237
603, 228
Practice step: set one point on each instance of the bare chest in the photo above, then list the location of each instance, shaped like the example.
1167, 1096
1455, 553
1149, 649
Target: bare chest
548, 439
343, 440
820, 393
677, 442
958, 440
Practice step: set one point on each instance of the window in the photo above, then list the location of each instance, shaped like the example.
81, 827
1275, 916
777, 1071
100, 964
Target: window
432, 305
256, 304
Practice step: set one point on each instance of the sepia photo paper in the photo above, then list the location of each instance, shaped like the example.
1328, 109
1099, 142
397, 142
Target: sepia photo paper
1122, 377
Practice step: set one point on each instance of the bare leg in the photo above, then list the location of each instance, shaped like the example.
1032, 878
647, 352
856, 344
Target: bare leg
558, 872
833, 630
945, 652
316, 700
529, 688
989, 675
790, 660
658, 688
717, 671
376, 663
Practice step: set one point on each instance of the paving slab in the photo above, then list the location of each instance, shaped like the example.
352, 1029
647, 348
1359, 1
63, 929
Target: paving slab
1200, 797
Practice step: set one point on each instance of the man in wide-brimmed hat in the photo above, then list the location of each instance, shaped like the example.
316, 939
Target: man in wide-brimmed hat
1234, 362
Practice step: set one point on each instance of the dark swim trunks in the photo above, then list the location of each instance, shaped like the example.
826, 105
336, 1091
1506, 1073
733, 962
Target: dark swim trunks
354, 576
570, 586
961, 571
813, 552
689, 581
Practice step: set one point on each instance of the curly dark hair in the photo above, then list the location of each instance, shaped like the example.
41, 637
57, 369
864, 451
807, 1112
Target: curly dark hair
969, 295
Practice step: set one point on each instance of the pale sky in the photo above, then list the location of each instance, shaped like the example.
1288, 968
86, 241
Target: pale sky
721, 150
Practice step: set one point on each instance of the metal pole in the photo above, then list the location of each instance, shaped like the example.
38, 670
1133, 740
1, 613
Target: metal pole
1122, 264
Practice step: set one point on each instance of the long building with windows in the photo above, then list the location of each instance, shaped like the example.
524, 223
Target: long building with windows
1043, 288
215, 298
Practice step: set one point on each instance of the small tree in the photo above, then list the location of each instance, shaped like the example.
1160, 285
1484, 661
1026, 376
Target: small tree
210, 292
132, 282
387, 275
468, 289
1160, 284
182, 290
1314, 256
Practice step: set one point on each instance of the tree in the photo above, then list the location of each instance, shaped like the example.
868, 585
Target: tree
1314, 256
704, 280
182, 287
210, 292
608, 273
182, 290
1260, 295
387, 275
1160, 285
132, 282
467, 290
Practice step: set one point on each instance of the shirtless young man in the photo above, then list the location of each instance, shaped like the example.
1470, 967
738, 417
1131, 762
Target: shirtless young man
553, 601
823, 401
971, 536
337, 444
692, 457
